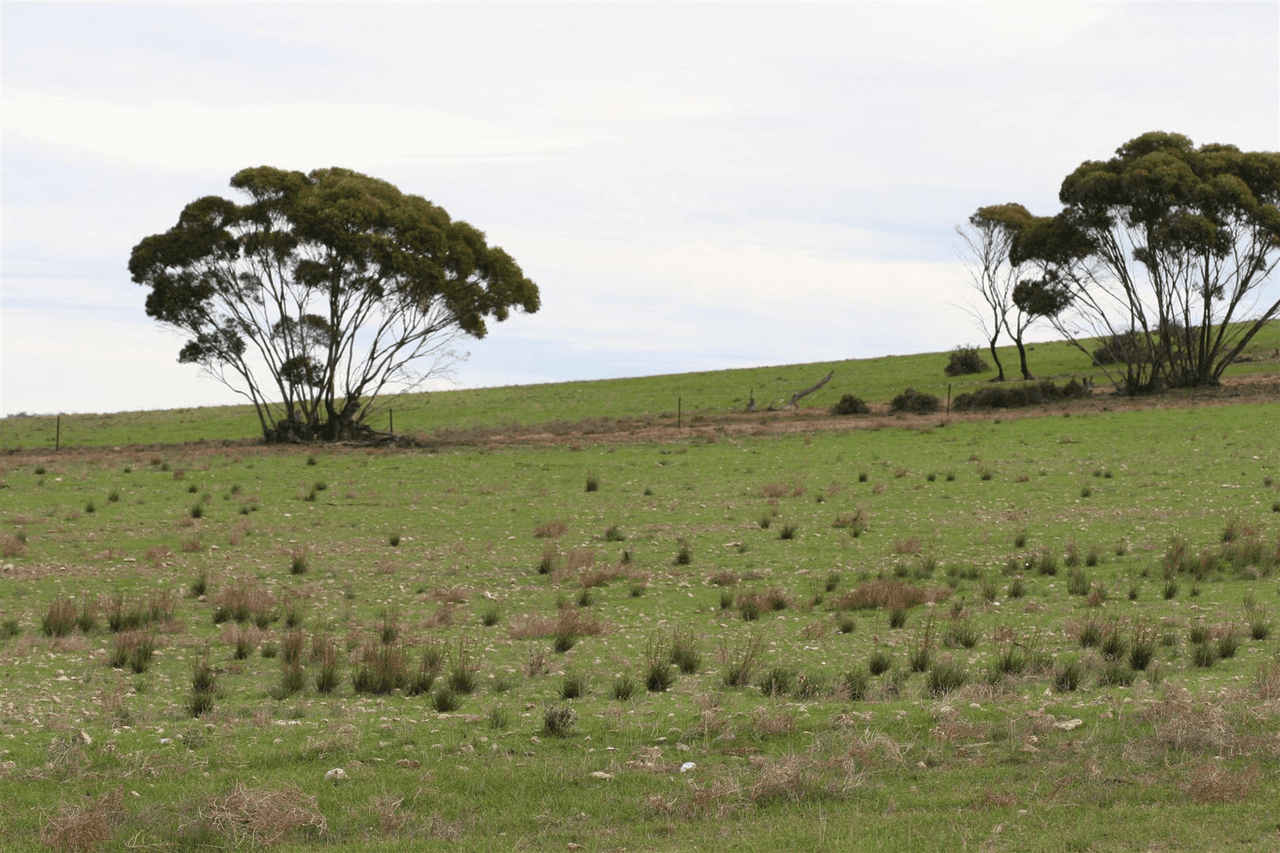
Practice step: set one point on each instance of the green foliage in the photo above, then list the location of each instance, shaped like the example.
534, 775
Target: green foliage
964, 360
914, 402
1204, 236
350, 256
1010, 396
850, 405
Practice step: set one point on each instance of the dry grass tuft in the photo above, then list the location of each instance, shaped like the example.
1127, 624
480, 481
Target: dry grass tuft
888, 594
1213, 783
260, 817
12, 546
567, 622
86, 825
551, 530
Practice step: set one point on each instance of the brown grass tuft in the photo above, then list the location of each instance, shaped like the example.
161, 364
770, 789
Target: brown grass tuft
260, 817
888, 594
551, 530
86, 825
1213, 783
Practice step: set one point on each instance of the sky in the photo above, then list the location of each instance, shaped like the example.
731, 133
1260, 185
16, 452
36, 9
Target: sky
692, 186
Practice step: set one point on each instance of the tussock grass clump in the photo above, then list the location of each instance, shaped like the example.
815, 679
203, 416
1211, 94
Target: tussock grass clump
60, 618
880, 662
685, 653
89, 824
262, 817
945, 677
383, 669
887, 594
204, 683
658, 673
624, 687
741, 660
327, 658
559, 720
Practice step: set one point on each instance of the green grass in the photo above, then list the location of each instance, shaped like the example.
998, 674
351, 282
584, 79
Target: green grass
596, 406
496, 738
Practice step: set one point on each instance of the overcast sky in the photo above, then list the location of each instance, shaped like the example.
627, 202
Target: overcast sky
692, 186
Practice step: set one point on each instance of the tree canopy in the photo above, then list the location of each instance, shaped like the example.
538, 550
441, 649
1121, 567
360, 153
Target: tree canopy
323, 292
1165, 251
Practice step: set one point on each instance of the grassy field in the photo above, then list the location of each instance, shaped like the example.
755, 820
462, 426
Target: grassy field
606, 404
996, 633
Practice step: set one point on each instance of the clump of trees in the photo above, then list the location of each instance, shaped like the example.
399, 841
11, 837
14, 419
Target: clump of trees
322, 292
1162, 252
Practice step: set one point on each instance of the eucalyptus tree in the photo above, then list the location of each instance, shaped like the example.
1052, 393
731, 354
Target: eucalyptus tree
1166, 250
322, 293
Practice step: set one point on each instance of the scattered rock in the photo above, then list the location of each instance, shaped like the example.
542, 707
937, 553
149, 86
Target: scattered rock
1069, 725
600, 774
336, 775
688, 766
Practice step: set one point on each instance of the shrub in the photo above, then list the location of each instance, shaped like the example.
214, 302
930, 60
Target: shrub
1014, 396
850, 405
964, 361
914, 402
1067, 676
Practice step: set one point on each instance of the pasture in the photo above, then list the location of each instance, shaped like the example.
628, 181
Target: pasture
1049, 632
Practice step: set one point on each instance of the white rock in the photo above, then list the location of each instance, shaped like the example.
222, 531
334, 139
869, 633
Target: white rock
1069, 725
688, 766
336, 775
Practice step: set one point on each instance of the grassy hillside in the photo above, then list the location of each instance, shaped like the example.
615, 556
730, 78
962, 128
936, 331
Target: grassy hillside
875, 380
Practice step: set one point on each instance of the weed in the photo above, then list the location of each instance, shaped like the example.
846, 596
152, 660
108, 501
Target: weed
684, 555
855, 684
445, 701
624, 687
328, 661
1077, 582
491, 615
945, 677
298, 562
684, 651
463, 676
60, 619
613, 534
788, 531
897, 617
1067, 675
573, 686
845, 623
382, 670
777, 681
559, 720
880, 662
1204, 655
394, 539
204, 683
658, 674
200, 586
740, 661
1228, 643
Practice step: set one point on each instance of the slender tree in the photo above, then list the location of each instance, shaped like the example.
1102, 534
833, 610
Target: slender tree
323, 292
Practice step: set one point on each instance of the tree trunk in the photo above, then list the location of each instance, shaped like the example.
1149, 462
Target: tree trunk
991, 345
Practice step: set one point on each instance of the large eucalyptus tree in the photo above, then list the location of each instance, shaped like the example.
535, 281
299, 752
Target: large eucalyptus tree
322, 292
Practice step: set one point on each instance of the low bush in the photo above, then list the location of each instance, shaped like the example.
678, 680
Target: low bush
964, 361
914, 402
1017, 395
850, 405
